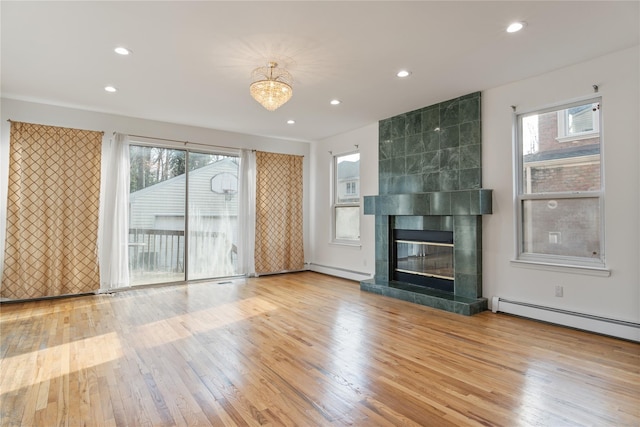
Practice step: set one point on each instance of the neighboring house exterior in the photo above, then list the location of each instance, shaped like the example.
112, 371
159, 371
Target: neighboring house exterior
565, 157
565, 154
162, 206
348, 185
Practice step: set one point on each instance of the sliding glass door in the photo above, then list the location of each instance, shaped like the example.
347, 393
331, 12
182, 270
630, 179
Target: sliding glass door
156, 215
182, 199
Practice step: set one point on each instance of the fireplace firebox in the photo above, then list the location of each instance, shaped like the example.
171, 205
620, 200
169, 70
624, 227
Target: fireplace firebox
423, 257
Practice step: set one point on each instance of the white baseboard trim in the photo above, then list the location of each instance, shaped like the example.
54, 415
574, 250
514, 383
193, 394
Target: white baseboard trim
601, 325
339, 272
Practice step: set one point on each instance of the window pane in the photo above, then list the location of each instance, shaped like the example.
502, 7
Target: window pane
569, 227
213, 215
347, 177
425, 259
347, 223
561, 150
156, 215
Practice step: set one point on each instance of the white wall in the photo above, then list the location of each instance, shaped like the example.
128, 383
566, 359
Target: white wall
331, 258
66, 117
617, 296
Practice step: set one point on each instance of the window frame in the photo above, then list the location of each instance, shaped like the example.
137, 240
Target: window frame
520, 195
335, 204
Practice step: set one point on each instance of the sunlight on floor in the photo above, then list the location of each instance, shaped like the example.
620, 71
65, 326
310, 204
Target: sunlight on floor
189, 324
545, 389
31, 368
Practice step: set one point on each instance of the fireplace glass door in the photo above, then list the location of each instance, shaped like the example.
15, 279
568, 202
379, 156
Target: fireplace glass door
424, 258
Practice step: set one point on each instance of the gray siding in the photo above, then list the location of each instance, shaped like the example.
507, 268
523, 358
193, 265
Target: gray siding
163, 205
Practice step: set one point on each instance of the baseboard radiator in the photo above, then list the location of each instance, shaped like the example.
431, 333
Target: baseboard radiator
339, 272
601, 325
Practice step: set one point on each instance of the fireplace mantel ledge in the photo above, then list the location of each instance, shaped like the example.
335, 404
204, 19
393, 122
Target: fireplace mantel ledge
461, 202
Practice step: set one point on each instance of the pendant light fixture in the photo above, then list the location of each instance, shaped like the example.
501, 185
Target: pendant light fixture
271, 86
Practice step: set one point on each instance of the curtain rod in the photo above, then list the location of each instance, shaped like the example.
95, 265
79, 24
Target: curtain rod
61, 127
182, 142
189, 142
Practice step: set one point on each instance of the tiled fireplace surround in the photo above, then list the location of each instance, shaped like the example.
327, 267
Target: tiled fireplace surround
430, 178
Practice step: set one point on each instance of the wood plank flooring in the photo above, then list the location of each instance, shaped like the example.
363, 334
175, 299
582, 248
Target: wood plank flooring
301, 349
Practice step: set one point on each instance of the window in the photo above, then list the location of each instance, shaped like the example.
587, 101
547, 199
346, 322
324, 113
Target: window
579, 122
346, 198
559, 200
162, 181
351, 188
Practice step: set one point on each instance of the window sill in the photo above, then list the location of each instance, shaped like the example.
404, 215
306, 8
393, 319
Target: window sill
564, 268
348, 244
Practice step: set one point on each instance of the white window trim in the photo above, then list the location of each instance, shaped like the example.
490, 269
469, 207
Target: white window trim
546, 261
563, 268
335, 204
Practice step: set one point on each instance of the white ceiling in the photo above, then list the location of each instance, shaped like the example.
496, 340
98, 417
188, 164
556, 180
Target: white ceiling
192, 61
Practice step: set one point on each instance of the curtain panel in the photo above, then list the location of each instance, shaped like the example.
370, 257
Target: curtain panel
52, 212
247, 213
279, 230
113, 237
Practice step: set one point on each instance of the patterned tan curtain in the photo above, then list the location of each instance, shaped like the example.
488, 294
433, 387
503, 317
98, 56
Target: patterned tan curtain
279, 239
52, 212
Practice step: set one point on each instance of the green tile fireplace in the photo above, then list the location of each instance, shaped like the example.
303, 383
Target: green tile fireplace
430, 178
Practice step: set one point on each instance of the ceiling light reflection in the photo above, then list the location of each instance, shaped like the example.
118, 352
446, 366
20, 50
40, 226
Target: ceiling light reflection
515, 27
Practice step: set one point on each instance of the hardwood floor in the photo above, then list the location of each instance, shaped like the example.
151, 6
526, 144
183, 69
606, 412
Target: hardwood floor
301, 349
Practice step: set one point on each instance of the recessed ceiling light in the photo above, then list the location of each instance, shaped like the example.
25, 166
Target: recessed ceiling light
291, 122
515, 27
403, 73
122, 50
335, 102
110, 89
